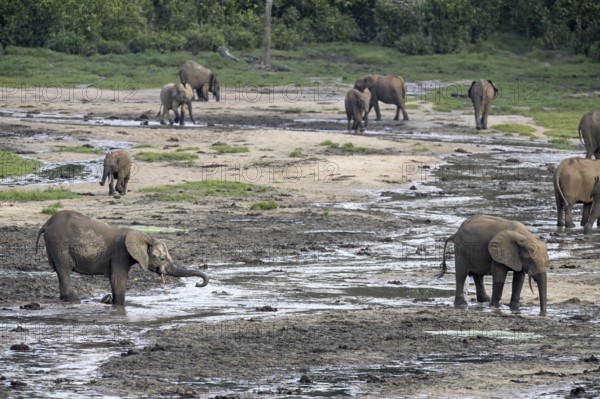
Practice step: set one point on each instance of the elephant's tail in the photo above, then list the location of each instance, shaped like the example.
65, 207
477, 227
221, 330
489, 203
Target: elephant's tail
557, 188
443, 266
580, 136
160, 110
42, 229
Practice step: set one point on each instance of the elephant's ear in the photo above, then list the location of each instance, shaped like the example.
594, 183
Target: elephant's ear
494, 86
504, 248
471, 89
137, 245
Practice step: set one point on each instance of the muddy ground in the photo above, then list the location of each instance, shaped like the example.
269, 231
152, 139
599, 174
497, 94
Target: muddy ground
423, 349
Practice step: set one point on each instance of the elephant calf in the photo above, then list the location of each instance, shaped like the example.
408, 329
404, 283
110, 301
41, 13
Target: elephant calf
174, 97
117, 165
75, 242
486, 245
573, 184
357, 109
589, 131
482, 93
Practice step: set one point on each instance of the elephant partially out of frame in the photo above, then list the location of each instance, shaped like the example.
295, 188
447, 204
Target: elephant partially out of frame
387, 89
117, 166
75, 242
202, 79
485, 245
175, 97
589, 133
482, 93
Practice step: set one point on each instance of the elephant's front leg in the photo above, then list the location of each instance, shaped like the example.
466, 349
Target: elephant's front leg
182, 113
175, 108
111, 182
499, 277
375, 104
585, 215
517, 286
482, 296
118, 284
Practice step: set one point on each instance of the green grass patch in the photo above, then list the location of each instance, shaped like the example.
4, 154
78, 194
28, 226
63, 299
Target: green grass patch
12, 165
330, 144
264, 205
79, 150
562, 143
49, 194
151, 156
187, 149
297, 153
513, 128
223, 148
195, 191
52, 209
142, 146
419, 147
352, 149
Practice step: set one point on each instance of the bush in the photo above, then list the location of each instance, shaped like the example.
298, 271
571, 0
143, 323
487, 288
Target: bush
242, 39
285, 38
112, 47
166, 41
207, 38
414, 44
71, 43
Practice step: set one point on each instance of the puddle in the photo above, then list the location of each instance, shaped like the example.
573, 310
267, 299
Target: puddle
498, 334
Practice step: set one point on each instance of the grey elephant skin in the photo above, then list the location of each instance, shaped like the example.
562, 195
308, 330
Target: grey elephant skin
117, 166
573, 184
589, 133
490, 245
482, 94
387, 89
595, 211
175, 97
202, 79
75, 242
357, 109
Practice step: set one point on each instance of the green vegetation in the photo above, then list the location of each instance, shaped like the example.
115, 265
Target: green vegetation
223, 148
12, 165
187, 149
142, 146
264, 205
49, 194
330, 144
52, 209
419, 147
561, 143
195, 191
79, 150
148, 156
346, 147
297, 153
511, 128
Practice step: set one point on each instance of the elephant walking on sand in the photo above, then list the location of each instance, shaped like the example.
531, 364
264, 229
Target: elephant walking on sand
117, 166
486, 245
202, 79
75, 242
482, 94
357, 109
589, 131
175, 97
573, 184
387, 89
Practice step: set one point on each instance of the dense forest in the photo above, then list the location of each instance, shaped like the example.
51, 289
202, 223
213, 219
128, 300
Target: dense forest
410, 26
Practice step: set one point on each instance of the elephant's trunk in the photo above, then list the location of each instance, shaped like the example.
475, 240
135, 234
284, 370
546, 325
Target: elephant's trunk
541, 282
186, 272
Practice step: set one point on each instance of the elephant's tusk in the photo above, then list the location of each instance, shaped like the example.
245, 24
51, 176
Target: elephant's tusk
162, 277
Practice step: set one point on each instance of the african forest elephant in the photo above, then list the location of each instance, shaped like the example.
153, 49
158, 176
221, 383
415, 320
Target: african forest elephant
88, 246
117, 165
175, 96
491, 245
202, 79
573, 184
357, 109
482, 93
589, 131
595, 211
387, 89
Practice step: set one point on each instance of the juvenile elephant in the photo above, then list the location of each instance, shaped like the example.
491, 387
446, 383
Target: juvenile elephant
387, 89
357, 109
573, 184
491, 245
88, 246
202, 79
482, 94
589, 131
117, 165
175, 97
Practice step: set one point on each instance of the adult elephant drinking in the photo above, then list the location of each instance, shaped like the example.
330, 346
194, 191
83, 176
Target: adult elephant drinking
387, 89
75, 242
486, 245
202, 79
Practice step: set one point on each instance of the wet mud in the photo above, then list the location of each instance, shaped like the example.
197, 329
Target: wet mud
330, 295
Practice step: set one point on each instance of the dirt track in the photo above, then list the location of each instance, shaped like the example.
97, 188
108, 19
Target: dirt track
428, 349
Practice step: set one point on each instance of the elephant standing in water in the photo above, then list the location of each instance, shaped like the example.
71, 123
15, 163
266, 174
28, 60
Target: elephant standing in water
357, 109
486, 245
387, 89
202, 79
174, 97
589, 134
75, 242
482, 93
573, 184
117, 165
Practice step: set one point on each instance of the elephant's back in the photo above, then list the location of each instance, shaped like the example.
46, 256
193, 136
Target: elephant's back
575, 178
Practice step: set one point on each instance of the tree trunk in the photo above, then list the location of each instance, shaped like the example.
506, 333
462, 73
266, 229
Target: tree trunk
266, 58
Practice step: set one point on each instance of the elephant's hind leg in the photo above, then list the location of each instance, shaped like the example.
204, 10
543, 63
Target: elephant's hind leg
63, 268
482, 296
459, 298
